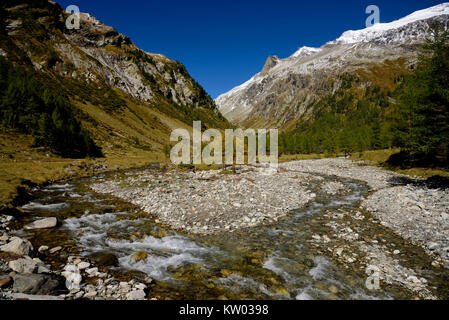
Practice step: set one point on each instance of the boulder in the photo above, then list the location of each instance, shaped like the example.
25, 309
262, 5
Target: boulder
46, 223
25, 265
17, 246
39, 284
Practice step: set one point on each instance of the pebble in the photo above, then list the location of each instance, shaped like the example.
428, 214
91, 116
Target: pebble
83, 265
54, 250
42, 249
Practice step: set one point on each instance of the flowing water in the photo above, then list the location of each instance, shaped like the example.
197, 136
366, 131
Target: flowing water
269, 262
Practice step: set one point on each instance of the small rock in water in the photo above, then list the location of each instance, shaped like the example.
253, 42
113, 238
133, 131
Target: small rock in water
42, 224
333, 289
396, 252
435, 264
54, 250
139, 256
104, 259
42, 249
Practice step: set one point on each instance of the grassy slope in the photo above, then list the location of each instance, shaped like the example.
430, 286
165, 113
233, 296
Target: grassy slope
131, 136
20, 162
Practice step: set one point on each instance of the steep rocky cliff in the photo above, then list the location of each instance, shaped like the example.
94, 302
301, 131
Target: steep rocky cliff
121, 91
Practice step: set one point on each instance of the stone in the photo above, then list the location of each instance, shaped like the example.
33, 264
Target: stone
42, 268
17, 246
140, 286
104, 259
42, 249
396, 252
25, 266
39, 284
92, 271
136, 295
414, 279
72, 280
55, 249
46, 223
91, 294
139, 256
83, 265
432, 246
435, 264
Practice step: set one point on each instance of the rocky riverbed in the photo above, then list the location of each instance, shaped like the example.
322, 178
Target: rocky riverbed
210, 202
312, 229
25, 278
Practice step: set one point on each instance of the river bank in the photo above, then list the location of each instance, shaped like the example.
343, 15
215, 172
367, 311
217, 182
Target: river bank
309, 230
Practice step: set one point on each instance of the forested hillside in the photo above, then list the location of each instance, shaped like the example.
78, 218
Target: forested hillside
412, 113
25, 104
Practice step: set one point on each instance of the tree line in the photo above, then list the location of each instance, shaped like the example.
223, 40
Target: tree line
413, 117
28, 106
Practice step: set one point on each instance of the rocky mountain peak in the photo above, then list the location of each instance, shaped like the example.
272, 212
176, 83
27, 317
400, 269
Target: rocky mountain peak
286, 88
270, 63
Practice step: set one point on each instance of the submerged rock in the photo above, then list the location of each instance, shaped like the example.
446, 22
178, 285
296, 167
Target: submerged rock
139, 256
104, 259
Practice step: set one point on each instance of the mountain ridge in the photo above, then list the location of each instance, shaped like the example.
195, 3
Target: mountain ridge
285, 93
128, 99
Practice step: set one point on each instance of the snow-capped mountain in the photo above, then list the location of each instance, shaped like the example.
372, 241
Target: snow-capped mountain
285, 88
305, 51
381, 30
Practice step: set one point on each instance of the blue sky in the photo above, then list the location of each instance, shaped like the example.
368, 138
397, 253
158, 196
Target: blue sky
224, 43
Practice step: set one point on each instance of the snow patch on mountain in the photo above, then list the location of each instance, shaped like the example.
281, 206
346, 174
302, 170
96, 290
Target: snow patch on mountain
377, 30
305, 51
285, 87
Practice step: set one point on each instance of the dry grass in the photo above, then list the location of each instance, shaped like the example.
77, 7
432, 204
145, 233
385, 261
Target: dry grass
375, 156
19, 162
